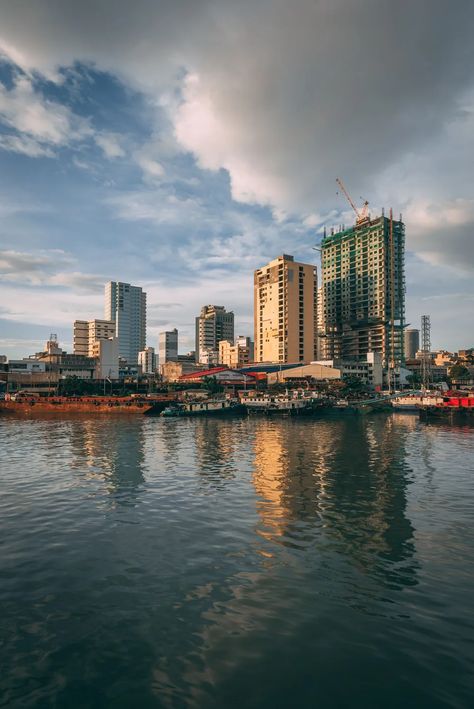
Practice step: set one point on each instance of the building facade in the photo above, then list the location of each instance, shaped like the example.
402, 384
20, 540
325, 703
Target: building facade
147, 360
106, 354
126, 306
87, 332
411, 342
236, 355
285, 311
168, 346
363, 283
212, 325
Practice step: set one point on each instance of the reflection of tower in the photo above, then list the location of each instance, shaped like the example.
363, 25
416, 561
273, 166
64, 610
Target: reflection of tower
425, 350
215, 442
268, 477
343, 480
110, 451
291, 464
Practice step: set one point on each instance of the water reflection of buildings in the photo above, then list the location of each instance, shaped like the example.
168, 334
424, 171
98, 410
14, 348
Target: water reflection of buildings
216, 441
111, 452
340, 481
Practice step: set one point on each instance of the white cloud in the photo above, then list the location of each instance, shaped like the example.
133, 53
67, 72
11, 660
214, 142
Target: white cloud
46, 268
25, 145
151, 168
109, 143
40, 122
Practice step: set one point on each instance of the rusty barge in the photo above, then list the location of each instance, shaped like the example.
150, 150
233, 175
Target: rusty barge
32, 405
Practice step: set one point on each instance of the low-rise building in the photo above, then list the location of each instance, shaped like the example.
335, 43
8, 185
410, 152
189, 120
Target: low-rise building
87, 332
26, 365
106, 354
369, 371
222, 375
443, 357
235, 355
172, 371
313, 370
209, 357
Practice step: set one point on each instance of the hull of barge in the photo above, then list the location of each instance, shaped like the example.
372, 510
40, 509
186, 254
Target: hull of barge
63, 405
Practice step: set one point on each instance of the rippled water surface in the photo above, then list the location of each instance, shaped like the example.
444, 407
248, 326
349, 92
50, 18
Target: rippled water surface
245, 563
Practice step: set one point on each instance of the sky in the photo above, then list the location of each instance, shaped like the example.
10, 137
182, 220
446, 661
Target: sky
179, 145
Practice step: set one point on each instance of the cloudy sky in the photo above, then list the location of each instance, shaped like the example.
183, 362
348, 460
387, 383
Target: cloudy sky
180, 144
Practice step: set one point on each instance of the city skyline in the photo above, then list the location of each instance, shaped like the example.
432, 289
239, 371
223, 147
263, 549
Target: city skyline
116, 160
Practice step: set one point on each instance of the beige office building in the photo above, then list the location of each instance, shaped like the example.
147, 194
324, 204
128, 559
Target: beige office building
87, 332
285, 311
235, 355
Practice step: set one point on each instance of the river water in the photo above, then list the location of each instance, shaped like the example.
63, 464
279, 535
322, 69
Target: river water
236, 563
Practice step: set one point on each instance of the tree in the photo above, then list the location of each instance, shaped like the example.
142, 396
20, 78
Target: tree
212, 385
414, 378
353, 385
459, 371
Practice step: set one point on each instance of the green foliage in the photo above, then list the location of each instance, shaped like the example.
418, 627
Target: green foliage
74, 386
212, 385
353, 385
459, 371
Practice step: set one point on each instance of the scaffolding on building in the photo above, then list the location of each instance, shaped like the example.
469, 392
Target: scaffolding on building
426, 351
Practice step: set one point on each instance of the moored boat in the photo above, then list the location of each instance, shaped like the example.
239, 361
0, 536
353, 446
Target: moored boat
208, 407
33, 405
457, 407
276, 404
414, 402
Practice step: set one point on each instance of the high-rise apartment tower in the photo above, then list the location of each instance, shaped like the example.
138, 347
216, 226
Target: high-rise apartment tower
285, 311
212, 325
126, 306
363, 291
412, 342
168, 346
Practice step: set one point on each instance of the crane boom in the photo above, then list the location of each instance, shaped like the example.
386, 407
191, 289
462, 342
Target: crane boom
361, 215
347, 195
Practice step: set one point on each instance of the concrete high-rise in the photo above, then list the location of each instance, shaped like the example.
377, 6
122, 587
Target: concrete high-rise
285, 311
87, 332
168, 346
412, 342
126, 306
212, 325
147, 360
363, 283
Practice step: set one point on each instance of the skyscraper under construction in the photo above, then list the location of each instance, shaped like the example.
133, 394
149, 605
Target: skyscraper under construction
363, 291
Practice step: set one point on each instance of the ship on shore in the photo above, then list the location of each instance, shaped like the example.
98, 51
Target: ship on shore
34, 405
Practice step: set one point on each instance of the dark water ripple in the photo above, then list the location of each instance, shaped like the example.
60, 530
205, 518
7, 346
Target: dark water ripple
150, 563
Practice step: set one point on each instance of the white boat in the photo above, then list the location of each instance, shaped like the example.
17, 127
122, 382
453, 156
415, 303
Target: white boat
413, 402
207, 407
275, 404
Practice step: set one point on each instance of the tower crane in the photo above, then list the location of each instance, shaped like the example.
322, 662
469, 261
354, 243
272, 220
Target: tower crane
361, 214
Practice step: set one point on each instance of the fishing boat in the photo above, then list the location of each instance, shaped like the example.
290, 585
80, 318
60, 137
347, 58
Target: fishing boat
208, 407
